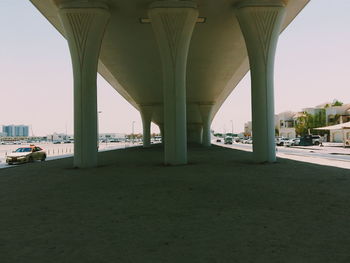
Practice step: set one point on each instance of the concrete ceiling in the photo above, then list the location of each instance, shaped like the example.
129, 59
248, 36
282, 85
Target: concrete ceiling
130, 59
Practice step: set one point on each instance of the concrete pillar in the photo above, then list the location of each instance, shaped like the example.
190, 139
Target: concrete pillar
84, 24
146, 116
260, 22
173, 23
206, 111
194, 133
161, 129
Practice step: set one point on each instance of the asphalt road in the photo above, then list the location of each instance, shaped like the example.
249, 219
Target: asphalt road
329, 153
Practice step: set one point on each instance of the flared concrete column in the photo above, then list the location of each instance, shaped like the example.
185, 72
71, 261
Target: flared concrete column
161, 129
260, 22
206, 111
173, 23
146, 116
84, 24
194, 133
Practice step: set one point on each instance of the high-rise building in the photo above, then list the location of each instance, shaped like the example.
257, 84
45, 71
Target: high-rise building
16, 130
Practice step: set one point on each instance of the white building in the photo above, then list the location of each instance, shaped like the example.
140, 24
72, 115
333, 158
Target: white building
58, 137
285, 124
337, 114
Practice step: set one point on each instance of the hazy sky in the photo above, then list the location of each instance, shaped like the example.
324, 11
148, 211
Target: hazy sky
312, 67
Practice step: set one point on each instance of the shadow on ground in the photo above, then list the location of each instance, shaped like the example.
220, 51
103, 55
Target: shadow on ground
219, 208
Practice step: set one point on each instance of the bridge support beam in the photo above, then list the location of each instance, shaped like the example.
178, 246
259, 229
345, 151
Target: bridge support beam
161, 130
260, 22
206, 111
173, 23
146, 116
84, 24
194, 133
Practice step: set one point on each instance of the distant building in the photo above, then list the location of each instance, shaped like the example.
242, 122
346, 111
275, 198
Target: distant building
58, 137
16, 130
285, 124
335, 115
2, 133
108, 136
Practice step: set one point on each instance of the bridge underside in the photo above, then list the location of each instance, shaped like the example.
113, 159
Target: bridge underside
132, 61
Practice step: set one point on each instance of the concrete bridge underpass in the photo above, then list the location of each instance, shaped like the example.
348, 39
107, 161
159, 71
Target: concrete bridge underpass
175, 61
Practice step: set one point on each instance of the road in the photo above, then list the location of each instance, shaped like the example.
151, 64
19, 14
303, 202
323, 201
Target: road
57, 151
331, 156
327, 155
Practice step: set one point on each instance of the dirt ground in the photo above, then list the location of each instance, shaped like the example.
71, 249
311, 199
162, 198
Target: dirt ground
220, 207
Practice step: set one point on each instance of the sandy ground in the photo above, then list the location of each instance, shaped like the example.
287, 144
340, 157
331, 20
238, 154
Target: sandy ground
219, 208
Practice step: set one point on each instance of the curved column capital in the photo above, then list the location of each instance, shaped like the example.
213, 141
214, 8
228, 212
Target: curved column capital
173, 23
84, 28
260, 22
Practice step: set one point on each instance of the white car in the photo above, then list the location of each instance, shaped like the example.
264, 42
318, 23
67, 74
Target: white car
26, 155
248, 141
317, 139
281, 141
292, 142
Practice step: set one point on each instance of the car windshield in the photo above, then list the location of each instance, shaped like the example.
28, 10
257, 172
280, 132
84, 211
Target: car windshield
22, 150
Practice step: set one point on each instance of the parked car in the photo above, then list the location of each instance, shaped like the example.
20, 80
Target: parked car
237, 139
248, 141
317, 139
308, 140
26, 154
218, 140
228, 140
292, 142
280, 141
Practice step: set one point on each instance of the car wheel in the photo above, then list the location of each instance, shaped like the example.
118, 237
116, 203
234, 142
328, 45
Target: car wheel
43, 158
317, 143
292, 144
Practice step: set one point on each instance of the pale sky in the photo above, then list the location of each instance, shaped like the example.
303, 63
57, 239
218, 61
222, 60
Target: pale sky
312, 67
